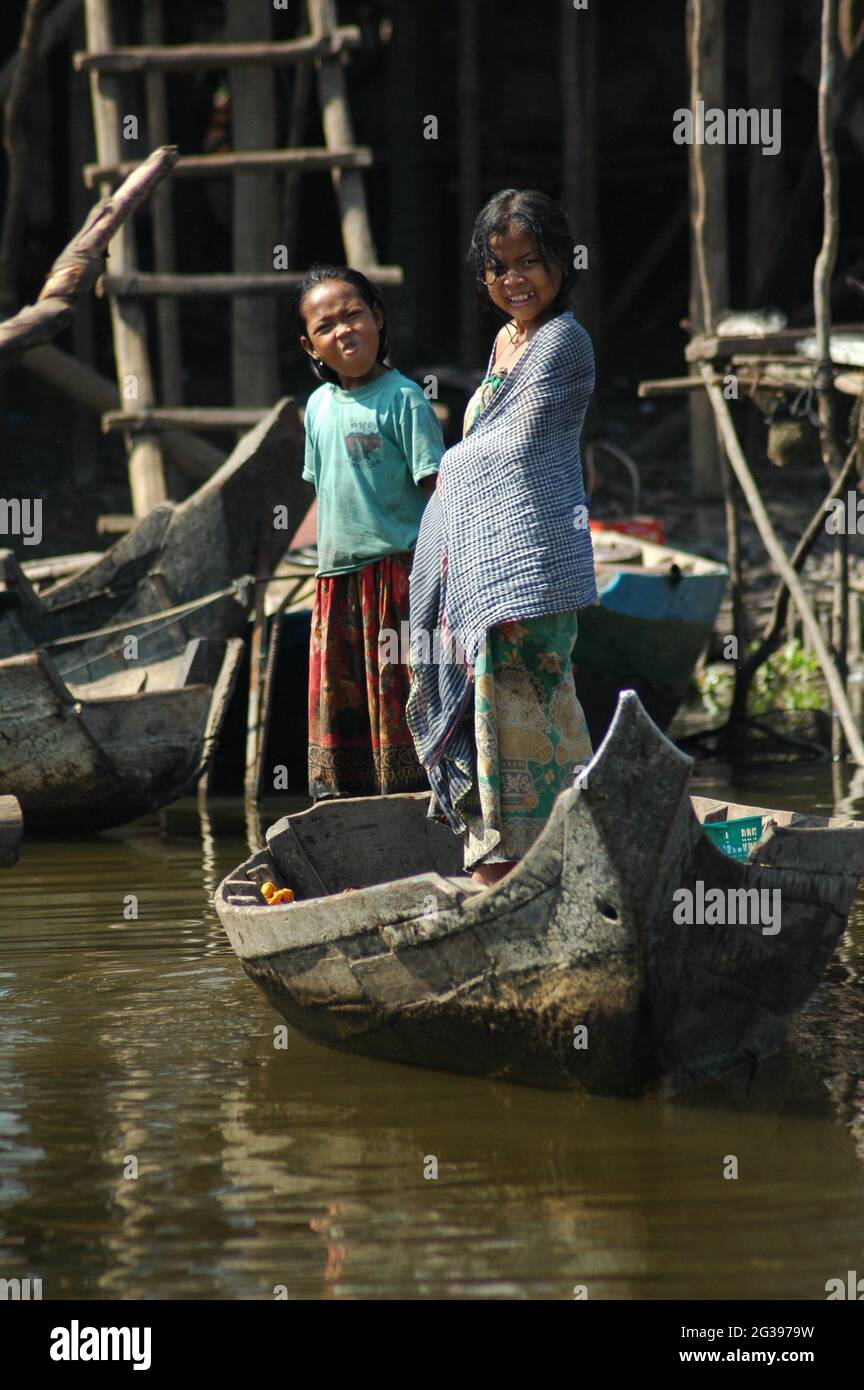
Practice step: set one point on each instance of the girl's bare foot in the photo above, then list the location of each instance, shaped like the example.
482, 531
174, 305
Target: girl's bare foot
490, 874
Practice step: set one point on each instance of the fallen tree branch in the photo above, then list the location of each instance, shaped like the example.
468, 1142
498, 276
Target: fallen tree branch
77, 268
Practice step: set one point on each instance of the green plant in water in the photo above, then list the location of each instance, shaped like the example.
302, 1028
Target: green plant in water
791, 679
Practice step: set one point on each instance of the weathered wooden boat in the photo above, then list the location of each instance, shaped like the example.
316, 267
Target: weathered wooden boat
190, 556
114, 682
573, 971
11, 831
87, 755
656, 610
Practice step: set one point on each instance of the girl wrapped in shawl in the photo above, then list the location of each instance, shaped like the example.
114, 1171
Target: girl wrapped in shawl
504, 559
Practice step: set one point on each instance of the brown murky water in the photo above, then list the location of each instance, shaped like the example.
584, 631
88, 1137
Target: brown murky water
130, 1042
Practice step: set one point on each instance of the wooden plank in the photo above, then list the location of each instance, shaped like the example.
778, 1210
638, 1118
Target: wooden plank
146, 284
194, 417
211, 57
301, 90
210, 166
705, 346
763, 373
11, 831
339, 134
146, 472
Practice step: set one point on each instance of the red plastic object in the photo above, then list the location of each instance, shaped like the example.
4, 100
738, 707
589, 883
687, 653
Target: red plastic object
646, 528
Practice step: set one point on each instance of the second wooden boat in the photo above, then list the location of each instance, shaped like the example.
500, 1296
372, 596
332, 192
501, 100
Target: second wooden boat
88, 754
576, 970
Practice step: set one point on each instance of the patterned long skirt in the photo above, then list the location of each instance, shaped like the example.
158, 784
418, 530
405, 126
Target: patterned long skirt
359, 741
530, 735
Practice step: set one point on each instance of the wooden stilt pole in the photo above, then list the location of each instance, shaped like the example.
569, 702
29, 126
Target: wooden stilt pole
254, 337
578, 68
709, 277
338, 135
823, 272
736, 458
167, 310
146, 473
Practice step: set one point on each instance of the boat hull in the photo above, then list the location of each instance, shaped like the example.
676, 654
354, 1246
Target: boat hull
83, 765
571, 973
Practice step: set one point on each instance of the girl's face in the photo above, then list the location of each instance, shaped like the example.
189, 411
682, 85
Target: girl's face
342, 332
526, 288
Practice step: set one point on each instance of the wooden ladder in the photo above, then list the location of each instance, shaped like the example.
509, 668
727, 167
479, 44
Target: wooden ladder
126, 287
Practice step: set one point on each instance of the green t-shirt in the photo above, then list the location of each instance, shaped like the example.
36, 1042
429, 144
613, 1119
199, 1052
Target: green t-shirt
366, 451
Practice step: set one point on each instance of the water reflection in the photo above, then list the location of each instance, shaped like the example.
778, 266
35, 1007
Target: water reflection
138, 1038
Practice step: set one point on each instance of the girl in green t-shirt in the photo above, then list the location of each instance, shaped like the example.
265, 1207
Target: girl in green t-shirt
373, 444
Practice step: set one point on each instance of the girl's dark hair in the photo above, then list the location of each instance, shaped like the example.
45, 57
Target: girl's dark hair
543, 219
319, 275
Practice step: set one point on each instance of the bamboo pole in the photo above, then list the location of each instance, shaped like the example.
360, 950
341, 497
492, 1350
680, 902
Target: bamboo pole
76, 268
736, 458
339, 134
134, 377
137, 285
709, 276
193, 417
257, 659
209, 57
823, 272
311, 159
301, 90
167, 310
825, 261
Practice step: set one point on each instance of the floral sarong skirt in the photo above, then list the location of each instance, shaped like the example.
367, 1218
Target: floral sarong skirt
359, 742
530, 734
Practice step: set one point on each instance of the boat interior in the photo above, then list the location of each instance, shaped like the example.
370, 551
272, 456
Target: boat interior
364, 842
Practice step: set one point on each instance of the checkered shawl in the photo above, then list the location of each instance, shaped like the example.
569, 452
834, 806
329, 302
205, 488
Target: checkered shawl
502, 538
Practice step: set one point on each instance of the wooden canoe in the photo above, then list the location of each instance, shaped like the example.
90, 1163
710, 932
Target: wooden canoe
179, 554
97, 730
653, 620
85, 756
420, 966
